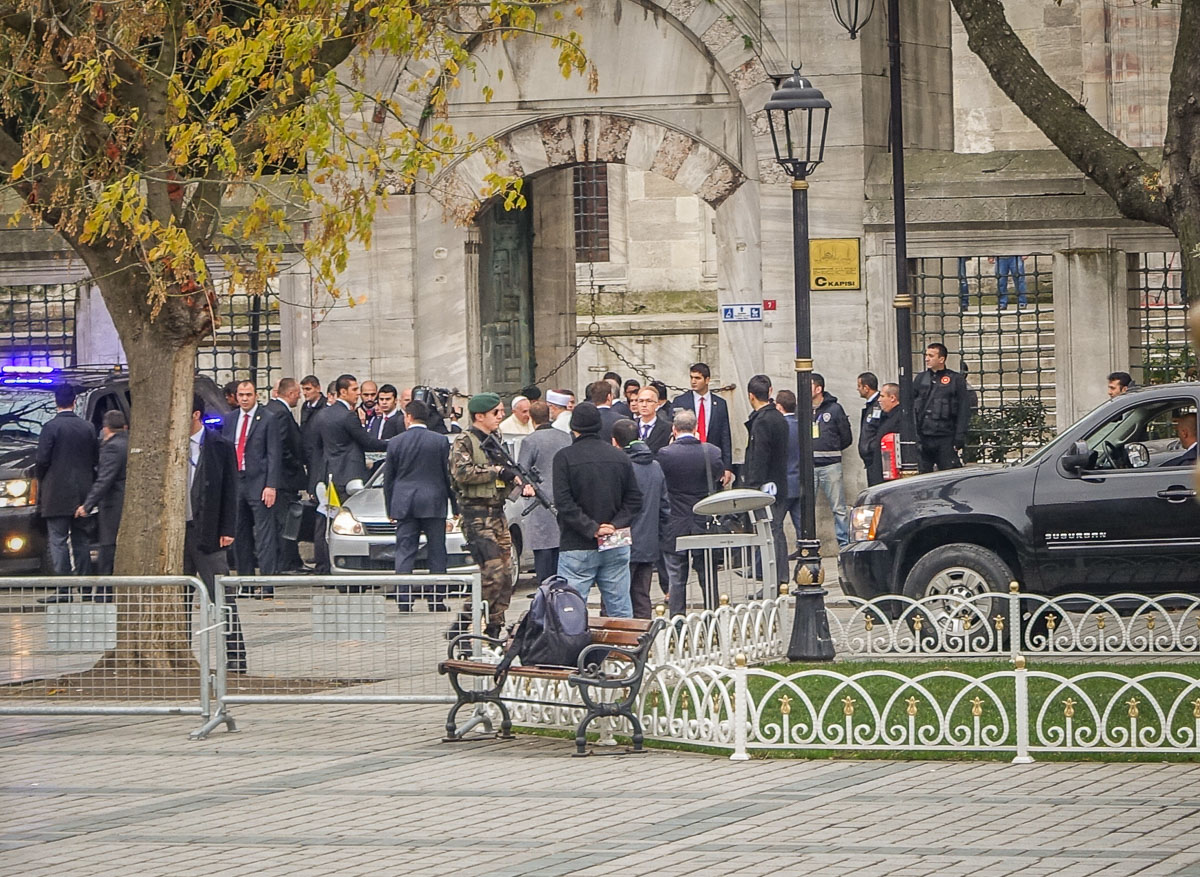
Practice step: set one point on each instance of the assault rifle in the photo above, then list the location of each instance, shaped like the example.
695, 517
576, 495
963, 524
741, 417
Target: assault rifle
529, 474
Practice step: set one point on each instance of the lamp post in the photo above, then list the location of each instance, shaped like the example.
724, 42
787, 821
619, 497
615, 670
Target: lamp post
798, 116
853, 15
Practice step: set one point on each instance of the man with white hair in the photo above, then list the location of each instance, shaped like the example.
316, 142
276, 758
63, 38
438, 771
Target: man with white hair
517, 423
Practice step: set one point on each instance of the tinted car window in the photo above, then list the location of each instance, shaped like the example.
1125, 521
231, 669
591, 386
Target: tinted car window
23, 413
1150, 422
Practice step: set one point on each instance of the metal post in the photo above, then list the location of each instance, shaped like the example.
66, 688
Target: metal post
810, 628
1021, 720
740, 692
903, 301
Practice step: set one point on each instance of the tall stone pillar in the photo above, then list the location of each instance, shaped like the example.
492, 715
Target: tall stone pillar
552, 196
1091, 328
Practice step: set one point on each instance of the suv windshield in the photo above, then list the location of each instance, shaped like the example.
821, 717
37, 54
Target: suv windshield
24, 412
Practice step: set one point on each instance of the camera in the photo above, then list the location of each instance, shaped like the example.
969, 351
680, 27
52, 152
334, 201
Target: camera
438, 400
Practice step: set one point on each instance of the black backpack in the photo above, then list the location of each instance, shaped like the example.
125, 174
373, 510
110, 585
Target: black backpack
554, 630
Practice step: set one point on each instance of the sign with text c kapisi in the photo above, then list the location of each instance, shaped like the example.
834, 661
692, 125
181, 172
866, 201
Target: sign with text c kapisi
834, 264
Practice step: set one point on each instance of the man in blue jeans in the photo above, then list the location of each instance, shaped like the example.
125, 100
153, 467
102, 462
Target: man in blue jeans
597, 496
1014, 266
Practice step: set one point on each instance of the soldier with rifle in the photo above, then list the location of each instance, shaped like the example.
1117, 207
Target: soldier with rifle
482, 476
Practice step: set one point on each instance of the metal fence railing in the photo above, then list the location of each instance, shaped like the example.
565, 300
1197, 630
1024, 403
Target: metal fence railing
340, 639
106, 645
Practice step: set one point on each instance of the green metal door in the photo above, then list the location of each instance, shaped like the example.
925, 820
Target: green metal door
506, 299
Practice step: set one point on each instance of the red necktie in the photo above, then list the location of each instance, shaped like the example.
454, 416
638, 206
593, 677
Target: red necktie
241, 445
701, 425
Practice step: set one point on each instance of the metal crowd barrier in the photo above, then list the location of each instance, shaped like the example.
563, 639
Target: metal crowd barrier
338, 639
740, 565
106, 645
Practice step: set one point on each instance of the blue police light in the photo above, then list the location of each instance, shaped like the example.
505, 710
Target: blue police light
25, 381
214, 420
27, 369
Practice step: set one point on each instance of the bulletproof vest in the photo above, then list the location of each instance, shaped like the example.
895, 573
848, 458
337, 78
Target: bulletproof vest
488, 491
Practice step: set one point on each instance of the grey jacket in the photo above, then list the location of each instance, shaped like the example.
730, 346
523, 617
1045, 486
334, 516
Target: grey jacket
649, 525
538, 449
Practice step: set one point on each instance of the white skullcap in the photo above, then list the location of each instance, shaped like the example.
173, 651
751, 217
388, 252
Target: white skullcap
515, 400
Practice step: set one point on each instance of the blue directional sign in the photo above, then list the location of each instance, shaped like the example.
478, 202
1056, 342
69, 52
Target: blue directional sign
747, 313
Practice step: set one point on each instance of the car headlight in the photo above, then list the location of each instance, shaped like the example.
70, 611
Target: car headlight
864, 521
16, 493
345, 524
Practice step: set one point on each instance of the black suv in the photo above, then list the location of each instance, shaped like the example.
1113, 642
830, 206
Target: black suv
26, 405
1106, 507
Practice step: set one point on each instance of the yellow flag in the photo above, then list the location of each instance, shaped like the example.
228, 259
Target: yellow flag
331, 497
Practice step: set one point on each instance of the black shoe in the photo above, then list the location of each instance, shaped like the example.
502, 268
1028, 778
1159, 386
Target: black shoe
55, 598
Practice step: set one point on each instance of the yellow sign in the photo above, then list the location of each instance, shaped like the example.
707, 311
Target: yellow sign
833, 264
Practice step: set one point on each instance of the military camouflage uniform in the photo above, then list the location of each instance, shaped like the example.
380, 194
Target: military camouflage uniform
482, 488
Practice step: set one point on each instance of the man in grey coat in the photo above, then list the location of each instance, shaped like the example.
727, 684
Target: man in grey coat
107, 495
538, 450
650, 523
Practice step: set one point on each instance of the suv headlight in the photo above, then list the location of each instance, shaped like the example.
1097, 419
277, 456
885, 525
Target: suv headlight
16, 493
345, 524
864, 521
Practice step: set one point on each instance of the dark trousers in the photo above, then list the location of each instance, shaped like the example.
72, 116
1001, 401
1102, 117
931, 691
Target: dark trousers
937, 452
677, 572
289, 554
68, 540
545, 563
257, 535
640, 574
408, 539
207, 565
321, 546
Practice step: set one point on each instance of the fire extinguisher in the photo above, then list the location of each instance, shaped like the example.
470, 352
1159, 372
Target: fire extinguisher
889, 447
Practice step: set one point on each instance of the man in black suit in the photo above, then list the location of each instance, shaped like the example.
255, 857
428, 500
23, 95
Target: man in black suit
868, 428
889, 422
600, 394
342, 441
293, 477
65, 467
712, 416
416, 491
628, 405
691, 468
651, 429
314, 458
107, 496
766, 466
314, 399
258, 445
388, 420
211, 515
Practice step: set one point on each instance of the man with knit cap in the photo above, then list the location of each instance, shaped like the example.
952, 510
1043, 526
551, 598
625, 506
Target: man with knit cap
596, 496
482, 482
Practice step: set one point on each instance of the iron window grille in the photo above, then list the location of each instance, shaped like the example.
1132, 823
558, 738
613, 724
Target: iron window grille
38, 324
247, 344
996, 317
591, 212
1160, 351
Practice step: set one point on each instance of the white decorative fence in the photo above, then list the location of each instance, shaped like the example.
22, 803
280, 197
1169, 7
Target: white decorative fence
702, 688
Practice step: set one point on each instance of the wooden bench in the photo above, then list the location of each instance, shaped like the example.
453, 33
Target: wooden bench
624, 641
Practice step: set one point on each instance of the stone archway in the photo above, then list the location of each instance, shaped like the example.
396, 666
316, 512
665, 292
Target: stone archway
537, 148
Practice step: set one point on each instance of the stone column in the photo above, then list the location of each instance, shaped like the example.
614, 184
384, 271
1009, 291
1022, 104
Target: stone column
554, 275
1091, 328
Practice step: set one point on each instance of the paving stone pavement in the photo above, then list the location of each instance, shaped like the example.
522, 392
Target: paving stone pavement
349, 790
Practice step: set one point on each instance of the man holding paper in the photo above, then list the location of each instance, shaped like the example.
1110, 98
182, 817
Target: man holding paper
596, 495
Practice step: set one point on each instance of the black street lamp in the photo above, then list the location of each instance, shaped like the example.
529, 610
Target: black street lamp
798, 116
853, 15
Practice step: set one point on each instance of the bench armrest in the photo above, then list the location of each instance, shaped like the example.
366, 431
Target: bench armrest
589, 672
464, 638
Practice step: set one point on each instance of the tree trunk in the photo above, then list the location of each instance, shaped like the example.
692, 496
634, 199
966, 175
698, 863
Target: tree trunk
153, 624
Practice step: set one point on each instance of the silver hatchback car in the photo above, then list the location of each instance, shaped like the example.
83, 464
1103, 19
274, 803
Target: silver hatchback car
363, 540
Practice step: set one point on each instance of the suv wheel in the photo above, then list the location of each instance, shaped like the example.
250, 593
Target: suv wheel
949, 580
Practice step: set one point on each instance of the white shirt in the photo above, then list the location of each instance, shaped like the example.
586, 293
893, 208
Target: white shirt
193, 461
563, 422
